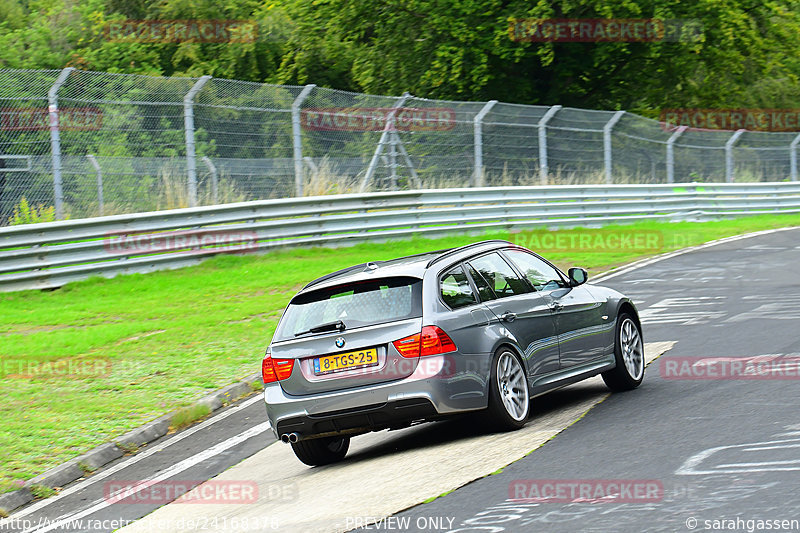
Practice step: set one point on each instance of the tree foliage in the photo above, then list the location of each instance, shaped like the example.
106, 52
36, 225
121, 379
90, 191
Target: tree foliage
449, 49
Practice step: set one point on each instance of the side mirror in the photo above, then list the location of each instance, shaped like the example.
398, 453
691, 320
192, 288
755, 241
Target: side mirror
577, 276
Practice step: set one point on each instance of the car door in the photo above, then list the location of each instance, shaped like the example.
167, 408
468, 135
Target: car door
523, 312
578, 314
466, 321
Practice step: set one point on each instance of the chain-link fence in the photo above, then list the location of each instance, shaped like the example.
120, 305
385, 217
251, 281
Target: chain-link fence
82, 144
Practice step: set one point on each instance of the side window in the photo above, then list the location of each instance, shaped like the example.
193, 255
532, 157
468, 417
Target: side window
456, 290
484, 290
542, 276
499, 274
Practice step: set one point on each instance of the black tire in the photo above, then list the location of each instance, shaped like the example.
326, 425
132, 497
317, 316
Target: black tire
629, 354
509, 399
322, 451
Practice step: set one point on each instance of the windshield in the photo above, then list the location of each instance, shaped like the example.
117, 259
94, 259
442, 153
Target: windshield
356, 304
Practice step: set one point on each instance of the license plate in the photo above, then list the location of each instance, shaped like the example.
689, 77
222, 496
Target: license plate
346, 361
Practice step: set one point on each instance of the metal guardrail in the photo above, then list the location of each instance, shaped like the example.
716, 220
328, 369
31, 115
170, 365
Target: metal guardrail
40, 256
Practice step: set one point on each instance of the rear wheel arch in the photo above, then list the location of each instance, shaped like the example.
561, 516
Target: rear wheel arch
505, 343
509, 394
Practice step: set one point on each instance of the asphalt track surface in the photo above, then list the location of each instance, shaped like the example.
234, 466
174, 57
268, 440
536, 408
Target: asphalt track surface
725, 449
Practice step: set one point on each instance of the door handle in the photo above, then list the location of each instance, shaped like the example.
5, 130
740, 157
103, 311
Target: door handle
556, 306
508, 316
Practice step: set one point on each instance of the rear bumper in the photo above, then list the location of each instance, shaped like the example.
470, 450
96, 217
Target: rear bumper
460, 385
368, 418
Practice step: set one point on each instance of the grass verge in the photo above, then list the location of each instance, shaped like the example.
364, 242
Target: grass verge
85, 363
188, 416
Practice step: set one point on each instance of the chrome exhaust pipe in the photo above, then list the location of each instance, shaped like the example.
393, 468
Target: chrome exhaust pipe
286, 438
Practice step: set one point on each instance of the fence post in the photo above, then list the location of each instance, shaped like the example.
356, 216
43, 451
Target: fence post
671, 153
793, 157
188, 122
477, 128
388, 128
297, 139
99, 173
55, 141
729, 155
544, 171
393, 160
607, 144
212, 169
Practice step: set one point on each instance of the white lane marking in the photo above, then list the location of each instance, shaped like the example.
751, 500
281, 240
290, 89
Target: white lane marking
785, 310
765, 247
764, 463
662, 312
691, 466
138, 457
177, 468
636, 265
762, 448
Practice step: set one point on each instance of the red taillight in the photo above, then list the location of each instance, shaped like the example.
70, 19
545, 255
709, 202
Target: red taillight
431, 341
276, 369
408, 346
436, 341
283, 367
267, 370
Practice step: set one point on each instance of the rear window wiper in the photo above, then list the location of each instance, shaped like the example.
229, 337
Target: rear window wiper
328, 326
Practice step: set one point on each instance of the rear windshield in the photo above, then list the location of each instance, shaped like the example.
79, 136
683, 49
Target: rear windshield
356, 304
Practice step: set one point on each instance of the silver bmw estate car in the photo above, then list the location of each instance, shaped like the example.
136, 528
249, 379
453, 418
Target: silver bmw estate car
484, 328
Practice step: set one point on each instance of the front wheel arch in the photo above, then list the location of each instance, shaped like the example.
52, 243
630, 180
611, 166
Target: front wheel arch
627, 307
619, 378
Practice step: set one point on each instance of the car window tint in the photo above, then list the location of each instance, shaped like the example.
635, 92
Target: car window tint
484, 291
357, 304
501, 277
456, 290
542, 276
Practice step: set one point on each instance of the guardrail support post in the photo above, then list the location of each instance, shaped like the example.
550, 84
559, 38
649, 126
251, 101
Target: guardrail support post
410, 164
671, 153
188, 123
297, 139
55, 141
212, 169
99, 173
477, 128
544, 170
607, 144
729, 155
793, 157
387, 129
